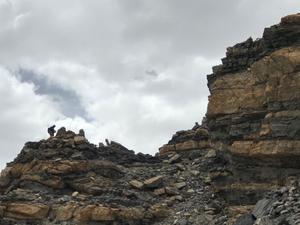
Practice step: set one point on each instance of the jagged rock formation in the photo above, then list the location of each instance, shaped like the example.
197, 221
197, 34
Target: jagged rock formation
254, 112
248, 144
253, 115
67, 180
279, 207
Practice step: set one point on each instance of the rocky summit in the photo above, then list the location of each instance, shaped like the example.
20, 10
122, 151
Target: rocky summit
240, 166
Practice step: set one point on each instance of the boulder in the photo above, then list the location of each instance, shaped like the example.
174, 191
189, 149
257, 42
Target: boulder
262, 208
211, 154
158, 211
26, 210
154, 182
160, 191
131, 214
65, 212
246, 219
100, 213
180, 185
136, 184
80, 140
263, 221
175, 159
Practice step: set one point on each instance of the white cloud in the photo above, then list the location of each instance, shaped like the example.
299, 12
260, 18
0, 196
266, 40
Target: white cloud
103, 51
24, 116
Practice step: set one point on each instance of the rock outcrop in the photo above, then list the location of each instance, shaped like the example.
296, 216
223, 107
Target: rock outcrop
254, 112
253, 116
240, 166
67, 180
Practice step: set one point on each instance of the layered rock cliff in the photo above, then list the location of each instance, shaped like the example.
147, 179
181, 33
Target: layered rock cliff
253, 116
254, 111
247, 145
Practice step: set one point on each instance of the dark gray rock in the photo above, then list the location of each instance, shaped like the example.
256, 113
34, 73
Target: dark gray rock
262, 208
246, 219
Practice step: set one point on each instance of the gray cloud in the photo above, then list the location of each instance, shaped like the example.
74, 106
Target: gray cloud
68, 101
130, 70
152, 73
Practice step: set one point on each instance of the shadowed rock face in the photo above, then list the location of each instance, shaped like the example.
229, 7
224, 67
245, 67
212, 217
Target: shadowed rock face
254, 110
253, 115
248, 144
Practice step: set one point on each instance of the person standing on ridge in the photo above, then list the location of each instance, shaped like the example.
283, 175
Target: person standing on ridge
196, 126
51, 131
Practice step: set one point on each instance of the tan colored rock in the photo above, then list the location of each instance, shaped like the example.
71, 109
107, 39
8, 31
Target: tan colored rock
53, 181
160, 191
84, 214
210, 154
270, 79
235, 92
100, 213
292, 113
64, 167
202, 132
26, 210
185, 146
64, 213
265, 129
158, 211
188, 145
291, 19
153, 182
5, 172
175, 159
166, 149
75, 194
136, 184
171, 191
130, 214
195, 172
180, 185
278, 148
80, 140
18, 169
236, 211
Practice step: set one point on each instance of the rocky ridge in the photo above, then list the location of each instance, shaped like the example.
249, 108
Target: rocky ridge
67, 180
240, 166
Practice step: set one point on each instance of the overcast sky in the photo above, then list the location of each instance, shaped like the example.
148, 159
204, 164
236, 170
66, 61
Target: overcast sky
133, 71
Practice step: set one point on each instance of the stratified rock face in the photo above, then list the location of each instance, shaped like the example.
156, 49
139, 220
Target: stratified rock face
193, 139
253, 116
277, 207
261, 103
254, 111
243, 55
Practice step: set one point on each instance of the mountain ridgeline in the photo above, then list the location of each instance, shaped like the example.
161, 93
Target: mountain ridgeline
241, 166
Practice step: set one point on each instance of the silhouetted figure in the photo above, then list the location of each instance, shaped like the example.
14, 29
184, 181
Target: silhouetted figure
51, 131
196, 126
81, 133
107, 142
